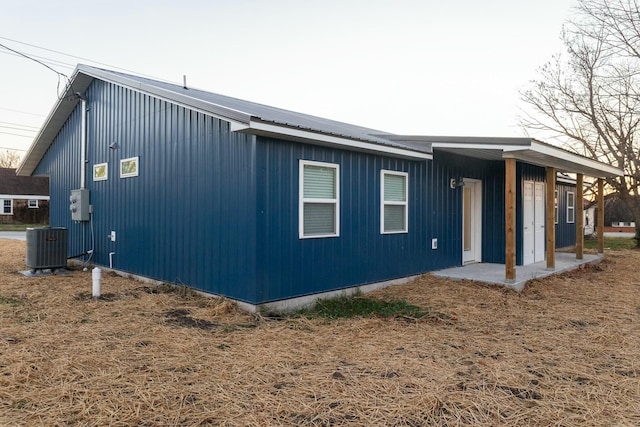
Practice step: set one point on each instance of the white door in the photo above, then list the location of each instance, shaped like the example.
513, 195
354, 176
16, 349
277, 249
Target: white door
538, 214
528, 224
533, 222
471, 221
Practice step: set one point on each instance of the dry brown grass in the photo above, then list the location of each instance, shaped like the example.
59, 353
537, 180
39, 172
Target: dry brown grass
564, 352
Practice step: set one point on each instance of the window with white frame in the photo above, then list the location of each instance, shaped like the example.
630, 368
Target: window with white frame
571, 207
394, 192
555, 204
33, 204
319, 199
7, 207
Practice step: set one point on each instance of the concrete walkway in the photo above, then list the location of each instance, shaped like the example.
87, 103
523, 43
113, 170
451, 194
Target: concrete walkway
494, 273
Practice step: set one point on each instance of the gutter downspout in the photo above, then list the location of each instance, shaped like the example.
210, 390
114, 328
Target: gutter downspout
83, 142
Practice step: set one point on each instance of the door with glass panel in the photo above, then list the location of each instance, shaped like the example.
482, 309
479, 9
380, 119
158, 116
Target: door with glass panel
471, 221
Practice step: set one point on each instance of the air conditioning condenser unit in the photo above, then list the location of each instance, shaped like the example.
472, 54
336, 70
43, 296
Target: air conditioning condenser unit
46, 248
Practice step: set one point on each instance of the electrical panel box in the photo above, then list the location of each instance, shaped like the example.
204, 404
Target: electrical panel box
79, 204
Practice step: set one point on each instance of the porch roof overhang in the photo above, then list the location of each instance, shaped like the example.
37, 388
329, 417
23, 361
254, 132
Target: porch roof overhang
523, 149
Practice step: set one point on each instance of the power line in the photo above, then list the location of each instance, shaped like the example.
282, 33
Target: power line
113, 67
16, 134
34, 60
18, 124
45, 60
62, 53
22, 112
17, 128
41, 63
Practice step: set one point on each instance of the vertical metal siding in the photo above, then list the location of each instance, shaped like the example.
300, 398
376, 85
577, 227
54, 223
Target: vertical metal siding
565, 232
189, 217
219, 210
62, 163
289, 266
491, 173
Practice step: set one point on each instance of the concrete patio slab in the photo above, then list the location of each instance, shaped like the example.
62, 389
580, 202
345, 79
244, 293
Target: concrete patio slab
494, 273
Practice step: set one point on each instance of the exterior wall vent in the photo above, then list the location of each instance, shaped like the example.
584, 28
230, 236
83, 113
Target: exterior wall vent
46, 248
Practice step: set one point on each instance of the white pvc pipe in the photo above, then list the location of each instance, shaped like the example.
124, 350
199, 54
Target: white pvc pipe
96, 275
111, 259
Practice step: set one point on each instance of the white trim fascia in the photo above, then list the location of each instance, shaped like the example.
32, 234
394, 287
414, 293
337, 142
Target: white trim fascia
575, 158
23, 197
478, 146
309, 136
238, 127
566, 181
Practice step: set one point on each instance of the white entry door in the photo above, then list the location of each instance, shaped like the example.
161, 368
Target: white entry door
533, 223
471, 221
539, 222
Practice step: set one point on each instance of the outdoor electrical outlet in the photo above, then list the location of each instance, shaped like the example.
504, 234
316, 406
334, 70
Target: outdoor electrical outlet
434, 243
113, 236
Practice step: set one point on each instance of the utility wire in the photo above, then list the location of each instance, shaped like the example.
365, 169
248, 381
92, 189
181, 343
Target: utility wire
18, 124
62, 53
35, 60
87, 59
20, 111
17, 128
16, 134
45, 60
12, 149
41, 63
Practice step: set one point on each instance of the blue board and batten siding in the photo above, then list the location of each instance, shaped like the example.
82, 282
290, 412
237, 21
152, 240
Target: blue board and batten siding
189, 217
565, 230
447, 209
288, 265
219, 210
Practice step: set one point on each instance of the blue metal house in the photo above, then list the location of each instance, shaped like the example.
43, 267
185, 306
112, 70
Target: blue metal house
268, 206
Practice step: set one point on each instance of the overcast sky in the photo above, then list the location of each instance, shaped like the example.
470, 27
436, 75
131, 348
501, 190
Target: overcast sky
410, 67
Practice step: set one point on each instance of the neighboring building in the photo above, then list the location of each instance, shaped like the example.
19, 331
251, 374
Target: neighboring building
23, 199
589, 218
264, 205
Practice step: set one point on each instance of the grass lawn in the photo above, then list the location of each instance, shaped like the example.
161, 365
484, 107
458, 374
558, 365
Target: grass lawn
19, 227
433, 352
613, 243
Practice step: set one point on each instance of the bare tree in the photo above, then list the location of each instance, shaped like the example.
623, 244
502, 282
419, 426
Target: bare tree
589, 98
9, 159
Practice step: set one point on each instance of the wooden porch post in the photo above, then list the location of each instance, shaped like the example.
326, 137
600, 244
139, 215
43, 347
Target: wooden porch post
551, 222
510, 220
579, 216
600, 215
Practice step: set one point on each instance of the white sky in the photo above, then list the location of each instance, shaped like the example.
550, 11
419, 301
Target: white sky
411, 67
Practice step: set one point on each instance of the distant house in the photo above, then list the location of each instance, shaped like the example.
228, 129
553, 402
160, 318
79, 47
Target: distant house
23, 199
589, 217
274, 207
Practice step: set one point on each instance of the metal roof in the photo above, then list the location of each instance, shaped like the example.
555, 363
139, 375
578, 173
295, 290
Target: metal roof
260, 119
525, 149
245, 116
